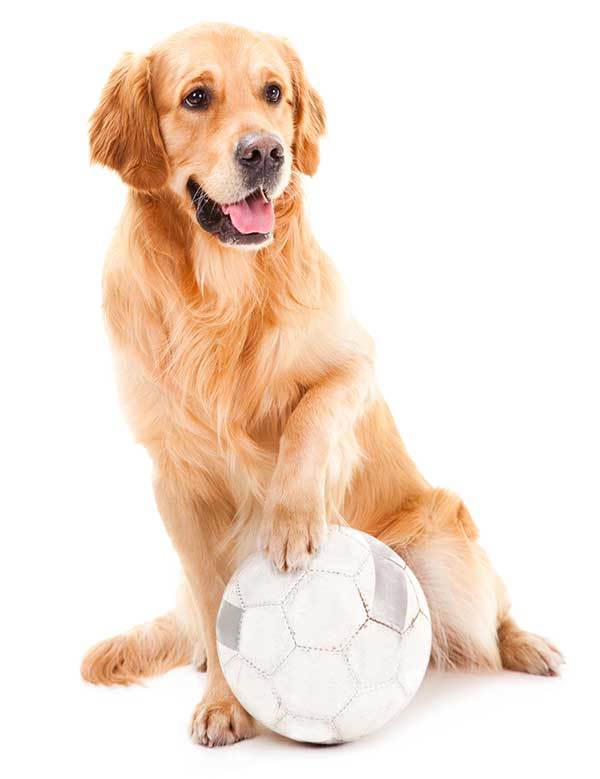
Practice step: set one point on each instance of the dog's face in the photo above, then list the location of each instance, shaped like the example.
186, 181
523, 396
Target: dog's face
219, 115
226, 108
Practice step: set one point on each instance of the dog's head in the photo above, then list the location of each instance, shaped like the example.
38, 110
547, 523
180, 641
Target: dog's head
219, 115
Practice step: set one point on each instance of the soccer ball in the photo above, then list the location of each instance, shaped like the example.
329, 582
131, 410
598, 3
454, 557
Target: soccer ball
330, 653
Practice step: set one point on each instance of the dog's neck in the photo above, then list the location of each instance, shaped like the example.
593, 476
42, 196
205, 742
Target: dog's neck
174, 250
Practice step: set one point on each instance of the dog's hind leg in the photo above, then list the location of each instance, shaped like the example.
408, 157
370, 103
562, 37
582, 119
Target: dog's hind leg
146, 650
527, 652
472, 628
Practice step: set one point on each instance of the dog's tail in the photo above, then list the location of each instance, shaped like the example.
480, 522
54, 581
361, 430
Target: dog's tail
146, 650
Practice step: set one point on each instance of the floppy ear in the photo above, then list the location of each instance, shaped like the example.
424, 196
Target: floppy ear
309, 118
124, 130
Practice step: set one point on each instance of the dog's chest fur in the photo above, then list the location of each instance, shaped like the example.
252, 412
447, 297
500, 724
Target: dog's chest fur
224, 401
214, 353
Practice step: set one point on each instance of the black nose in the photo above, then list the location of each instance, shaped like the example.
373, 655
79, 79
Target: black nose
260, 153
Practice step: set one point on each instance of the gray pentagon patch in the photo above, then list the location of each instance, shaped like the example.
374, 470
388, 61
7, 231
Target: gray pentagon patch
391, 595
228, 625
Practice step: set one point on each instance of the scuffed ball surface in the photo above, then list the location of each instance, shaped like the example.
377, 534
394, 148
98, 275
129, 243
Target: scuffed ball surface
330, 653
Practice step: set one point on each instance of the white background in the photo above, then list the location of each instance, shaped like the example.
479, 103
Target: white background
459, 196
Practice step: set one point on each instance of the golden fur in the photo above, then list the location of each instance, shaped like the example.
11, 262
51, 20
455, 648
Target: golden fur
249, 383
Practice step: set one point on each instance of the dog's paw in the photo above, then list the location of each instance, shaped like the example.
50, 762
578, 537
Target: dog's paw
529, 653
293, 534
217, 723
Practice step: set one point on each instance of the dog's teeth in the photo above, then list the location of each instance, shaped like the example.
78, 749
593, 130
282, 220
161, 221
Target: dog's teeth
264, 196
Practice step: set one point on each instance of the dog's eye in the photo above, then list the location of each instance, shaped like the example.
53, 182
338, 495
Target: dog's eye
273, 93
198, 99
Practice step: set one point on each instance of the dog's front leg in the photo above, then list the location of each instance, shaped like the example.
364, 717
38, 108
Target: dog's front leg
191, 521
295, 521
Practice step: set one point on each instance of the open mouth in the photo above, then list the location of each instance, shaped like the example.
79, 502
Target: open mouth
246, 222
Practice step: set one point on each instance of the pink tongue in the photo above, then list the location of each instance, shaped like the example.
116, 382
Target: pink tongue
254, 216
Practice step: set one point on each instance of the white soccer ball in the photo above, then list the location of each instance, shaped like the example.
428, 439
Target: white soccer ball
329, 653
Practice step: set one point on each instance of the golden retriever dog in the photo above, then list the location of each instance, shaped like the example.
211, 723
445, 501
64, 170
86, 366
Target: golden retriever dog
243, 373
